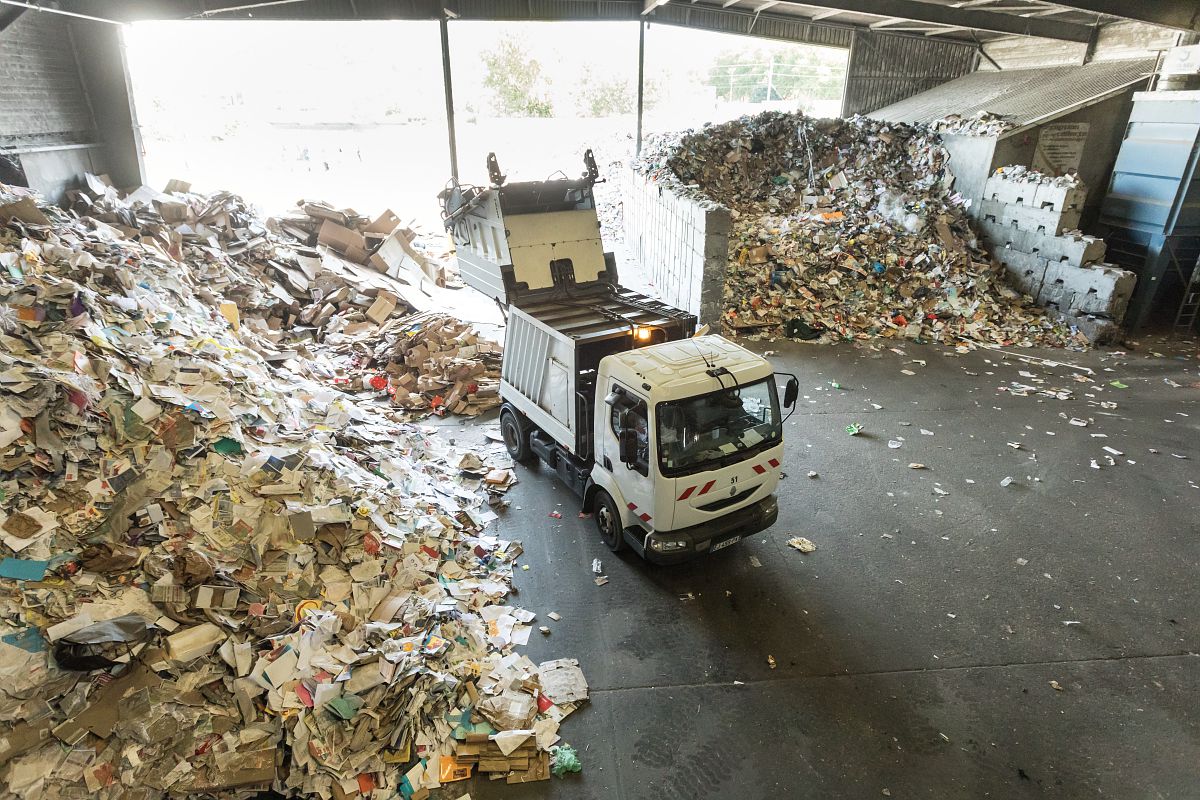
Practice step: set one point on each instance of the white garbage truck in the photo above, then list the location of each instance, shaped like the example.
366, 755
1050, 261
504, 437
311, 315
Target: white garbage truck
673, 441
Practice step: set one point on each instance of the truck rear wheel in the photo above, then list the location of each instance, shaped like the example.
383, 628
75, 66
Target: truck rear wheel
608, 522
516, 436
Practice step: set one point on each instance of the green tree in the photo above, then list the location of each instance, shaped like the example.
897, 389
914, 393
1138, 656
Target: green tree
599, 96
612, 96
793, 75
516, 83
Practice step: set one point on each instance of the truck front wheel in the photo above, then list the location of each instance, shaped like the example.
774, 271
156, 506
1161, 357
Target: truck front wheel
608, 522
516, 436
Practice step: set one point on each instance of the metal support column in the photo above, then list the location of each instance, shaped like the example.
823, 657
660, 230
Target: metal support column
641, 82
448, 84
849, 73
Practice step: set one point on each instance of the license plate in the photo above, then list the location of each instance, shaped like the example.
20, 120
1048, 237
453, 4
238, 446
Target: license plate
726, 543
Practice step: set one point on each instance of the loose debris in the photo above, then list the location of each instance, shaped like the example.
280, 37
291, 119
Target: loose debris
846, 229
566, 760
801, 544
425, 362
383, 244
221, 573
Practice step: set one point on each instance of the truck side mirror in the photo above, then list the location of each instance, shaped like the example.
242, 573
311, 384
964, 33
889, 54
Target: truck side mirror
790, 392
628, 446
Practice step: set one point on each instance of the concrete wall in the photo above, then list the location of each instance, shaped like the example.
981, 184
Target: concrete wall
1115, 41
974, 158
64, 104
682, 244
101, 56
42, 100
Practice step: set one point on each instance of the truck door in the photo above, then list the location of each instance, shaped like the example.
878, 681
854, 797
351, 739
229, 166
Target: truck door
633, 479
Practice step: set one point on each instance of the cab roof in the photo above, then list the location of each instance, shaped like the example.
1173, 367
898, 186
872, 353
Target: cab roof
680, 368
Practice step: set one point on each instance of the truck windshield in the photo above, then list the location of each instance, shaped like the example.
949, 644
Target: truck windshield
702, 431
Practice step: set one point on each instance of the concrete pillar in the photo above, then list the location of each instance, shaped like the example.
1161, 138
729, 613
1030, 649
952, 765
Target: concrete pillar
100, 52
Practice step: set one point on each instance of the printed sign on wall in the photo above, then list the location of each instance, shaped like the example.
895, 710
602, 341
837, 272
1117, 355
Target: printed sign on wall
1060, 147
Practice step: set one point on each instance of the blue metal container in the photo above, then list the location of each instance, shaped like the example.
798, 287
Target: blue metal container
1153, 204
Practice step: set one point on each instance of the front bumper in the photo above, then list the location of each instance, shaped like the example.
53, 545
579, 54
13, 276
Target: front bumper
706, 536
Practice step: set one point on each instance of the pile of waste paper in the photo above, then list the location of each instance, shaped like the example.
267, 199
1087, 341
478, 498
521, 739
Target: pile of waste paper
384, 244
304, 297
220, 573
425, 362
846, 229
983, 123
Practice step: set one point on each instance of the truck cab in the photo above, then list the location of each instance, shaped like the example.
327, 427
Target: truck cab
673, 441
702, 449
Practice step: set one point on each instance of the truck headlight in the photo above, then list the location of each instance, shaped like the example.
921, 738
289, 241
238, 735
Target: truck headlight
668, 545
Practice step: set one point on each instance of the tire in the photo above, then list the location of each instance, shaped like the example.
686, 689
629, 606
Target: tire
516, 436
608, 522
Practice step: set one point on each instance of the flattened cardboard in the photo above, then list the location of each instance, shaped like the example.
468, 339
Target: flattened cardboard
23, 736
104, 711
221, 598
384, 224
23, 210
349, 243
256, 768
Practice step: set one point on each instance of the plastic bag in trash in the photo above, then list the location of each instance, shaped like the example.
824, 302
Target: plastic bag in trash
564, 760
102, 645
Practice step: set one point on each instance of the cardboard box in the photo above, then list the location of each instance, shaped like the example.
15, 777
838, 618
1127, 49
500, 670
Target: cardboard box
382, 308
349, 243
384, 224
395, 255
221, 598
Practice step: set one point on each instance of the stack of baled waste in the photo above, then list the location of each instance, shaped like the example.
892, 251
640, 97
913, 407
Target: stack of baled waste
847, 229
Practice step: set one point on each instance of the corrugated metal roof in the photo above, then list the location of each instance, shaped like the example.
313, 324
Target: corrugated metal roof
885, 68
1024, 96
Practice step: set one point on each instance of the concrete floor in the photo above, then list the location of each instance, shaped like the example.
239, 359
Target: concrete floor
915, 654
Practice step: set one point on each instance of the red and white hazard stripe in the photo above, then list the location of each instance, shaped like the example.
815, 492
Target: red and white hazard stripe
688, 491
759, 469
644, 517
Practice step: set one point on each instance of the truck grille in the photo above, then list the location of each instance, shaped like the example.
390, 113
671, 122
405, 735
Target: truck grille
728, 501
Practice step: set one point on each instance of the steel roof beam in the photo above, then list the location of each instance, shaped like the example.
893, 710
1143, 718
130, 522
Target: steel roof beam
1181, 14
979, 19
1172, 13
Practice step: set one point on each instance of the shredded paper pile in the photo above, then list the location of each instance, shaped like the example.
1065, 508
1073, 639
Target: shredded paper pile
846, 229
221, 571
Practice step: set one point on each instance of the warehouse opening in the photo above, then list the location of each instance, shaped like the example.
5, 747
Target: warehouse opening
354, 112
